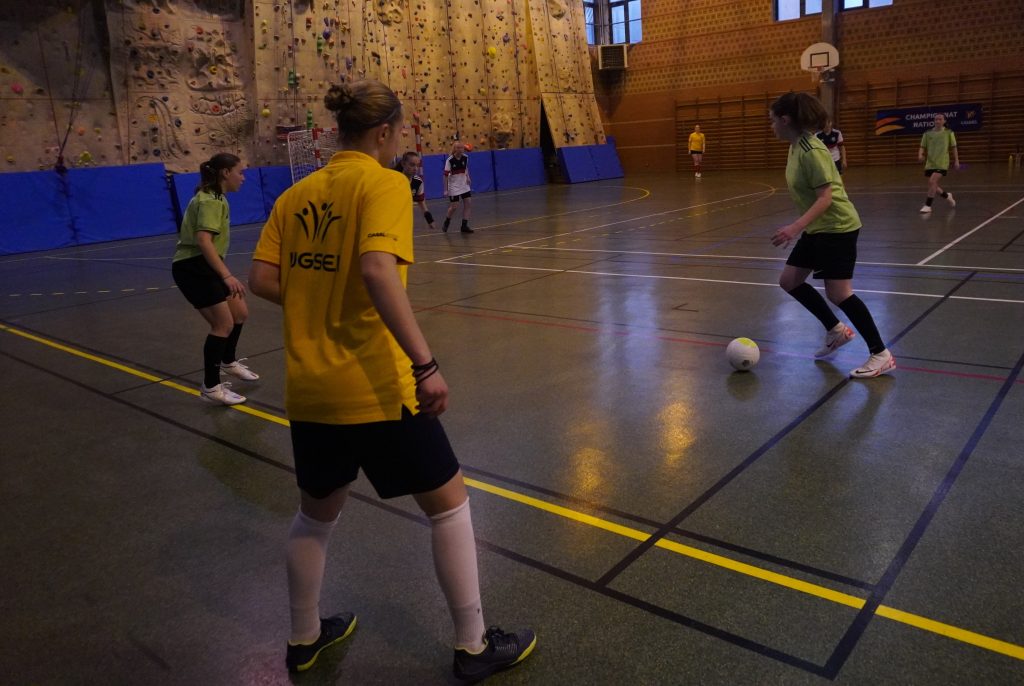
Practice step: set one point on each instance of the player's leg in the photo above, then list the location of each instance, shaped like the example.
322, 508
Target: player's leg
230, 363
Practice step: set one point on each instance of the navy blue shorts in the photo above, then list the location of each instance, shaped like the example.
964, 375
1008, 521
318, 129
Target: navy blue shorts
456, 198
400, 457
827, 255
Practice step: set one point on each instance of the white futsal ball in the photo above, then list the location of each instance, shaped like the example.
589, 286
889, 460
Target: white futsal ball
742, 354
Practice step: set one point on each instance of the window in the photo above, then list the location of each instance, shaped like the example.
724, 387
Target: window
612, 21
794, 9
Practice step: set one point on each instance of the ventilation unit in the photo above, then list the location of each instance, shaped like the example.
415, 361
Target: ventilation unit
612, 56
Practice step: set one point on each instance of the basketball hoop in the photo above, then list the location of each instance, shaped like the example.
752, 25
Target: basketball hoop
820, 59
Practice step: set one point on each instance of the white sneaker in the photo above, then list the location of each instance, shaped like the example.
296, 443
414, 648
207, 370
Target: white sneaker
949, 199
925, 209
698, 175
220, 395
838, 336
239, 370
879, 363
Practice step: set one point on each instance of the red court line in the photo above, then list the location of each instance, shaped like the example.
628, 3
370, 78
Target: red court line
690, 341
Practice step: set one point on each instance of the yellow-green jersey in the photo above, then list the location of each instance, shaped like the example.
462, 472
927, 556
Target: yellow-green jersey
205, 212
696, 142
937, 145
810, 167
343, 365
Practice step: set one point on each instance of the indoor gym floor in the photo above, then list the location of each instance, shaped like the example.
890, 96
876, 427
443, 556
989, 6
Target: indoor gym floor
655, 517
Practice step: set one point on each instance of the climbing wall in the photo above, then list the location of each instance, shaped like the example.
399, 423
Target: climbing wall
563, 72
183, 79
55, 87
463, 70
181, 70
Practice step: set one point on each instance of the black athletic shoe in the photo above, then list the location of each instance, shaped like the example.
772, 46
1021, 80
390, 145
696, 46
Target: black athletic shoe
466, 229
501, 651
332, 630
447, 223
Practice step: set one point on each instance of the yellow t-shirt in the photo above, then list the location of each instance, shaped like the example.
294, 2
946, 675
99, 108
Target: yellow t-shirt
343, 366
697, 141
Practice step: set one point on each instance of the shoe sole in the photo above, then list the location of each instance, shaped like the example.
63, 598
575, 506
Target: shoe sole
306, 665
855, 375
213, 401
490, 672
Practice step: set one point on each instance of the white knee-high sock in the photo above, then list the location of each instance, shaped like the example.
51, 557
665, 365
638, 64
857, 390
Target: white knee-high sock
455, 564
306, 551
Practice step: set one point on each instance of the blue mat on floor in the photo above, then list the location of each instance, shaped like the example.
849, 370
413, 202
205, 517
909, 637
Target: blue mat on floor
274, 181
590, 163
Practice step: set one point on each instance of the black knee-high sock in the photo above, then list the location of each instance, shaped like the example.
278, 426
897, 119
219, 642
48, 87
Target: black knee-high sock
213, 353
232, 343
815, 304
862, 320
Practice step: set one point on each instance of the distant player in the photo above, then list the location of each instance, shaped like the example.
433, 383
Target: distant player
827, 229
409, 165
457, 186
697, 145
833, 140
934, 152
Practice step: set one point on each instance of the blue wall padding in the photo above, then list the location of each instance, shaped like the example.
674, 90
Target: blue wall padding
433, 175
113, 203
578, 164
606, 159
590, 163
274, 181
247, 204
519, 168
184, 186
36, 214
481, 171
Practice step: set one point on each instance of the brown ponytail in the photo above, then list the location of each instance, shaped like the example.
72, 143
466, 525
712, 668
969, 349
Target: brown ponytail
361, 106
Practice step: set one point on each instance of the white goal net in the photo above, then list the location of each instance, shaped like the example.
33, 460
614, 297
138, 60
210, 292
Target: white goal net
310, 149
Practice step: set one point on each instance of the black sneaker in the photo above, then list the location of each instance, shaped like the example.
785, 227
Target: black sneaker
447, 223
466, 229
332, 630
501, 651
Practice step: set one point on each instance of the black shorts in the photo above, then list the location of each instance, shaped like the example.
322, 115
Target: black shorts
828, 255
456, 198
929, 172
400, 457
839, 166
199, 283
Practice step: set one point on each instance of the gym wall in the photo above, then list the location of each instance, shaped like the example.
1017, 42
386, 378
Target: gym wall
720, 64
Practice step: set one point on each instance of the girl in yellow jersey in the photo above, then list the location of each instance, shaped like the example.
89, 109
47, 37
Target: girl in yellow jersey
697, 145
363, 390
827, 228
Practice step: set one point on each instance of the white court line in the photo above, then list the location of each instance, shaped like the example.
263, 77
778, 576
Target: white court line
947, 267
976, 228
771, 192
933, 296
646, 194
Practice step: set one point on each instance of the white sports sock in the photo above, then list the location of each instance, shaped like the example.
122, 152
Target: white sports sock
306, 552
455, 564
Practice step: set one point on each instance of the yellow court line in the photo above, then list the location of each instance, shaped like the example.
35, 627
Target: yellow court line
137, 373
917, 621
